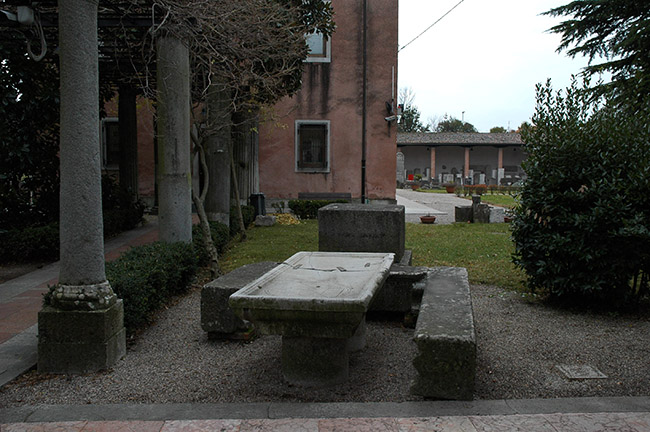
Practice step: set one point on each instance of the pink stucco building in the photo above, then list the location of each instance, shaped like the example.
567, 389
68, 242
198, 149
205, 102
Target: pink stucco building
332, 139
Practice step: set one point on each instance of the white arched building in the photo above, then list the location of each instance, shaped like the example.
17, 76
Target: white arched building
471, 158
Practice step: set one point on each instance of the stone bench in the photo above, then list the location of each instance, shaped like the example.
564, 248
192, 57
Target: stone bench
445, 338
217, 318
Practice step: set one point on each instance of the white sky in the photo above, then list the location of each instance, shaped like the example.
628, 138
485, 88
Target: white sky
484, 58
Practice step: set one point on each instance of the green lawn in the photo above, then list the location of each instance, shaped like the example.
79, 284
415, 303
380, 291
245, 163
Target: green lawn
484, 249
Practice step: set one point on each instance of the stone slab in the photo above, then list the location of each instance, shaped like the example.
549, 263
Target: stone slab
445, 337
497, 214
463, 214
362, 228
318, 281
580, 372
217, 318
264, 220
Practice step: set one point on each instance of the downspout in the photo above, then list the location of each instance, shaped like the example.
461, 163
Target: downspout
364, 102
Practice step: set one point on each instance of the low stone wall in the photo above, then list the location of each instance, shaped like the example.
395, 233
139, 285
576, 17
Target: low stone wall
445, 337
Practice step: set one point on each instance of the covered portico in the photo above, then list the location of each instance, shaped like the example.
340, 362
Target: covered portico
485, 158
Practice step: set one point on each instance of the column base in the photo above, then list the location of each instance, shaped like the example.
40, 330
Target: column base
77, 342
314, 362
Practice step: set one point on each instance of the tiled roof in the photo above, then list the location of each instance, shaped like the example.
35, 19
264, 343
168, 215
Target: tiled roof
458, 138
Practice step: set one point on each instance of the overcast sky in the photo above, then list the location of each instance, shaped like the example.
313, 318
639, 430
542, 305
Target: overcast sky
484, 58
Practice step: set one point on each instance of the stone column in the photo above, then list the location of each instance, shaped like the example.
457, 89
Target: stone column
82, 328
128, 130
433, 162
466, 169
174, 173
217, 155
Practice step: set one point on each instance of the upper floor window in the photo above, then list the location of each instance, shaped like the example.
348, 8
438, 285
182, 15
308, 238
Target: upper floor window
312, 145
319, 48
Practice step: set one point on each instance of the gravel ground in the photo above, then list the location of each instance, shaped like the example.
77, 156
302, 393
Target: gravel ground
519, 345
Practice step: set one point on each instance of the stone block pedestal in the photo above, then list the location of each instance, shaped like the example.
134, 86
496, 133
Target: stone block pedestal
314, 362
78, 342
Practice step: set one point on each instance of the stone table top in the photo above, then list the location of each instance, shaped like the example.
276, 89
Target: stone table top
318, 281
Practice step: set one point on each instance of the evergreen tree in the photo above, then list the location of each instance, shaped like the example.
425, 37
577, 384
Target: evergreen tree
617, 31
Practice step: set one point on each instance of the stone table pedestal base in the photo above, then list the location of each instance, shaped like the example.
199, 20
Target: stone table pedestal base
314, 362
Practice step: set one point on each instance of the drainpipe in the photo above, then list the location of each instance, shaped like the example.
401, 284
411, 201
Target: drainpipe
365, 102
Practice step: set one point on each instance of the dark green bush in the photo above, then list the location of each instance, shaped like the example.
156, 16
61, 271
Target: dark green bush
119, 211
30, 244
308, 209
41, 242
146, 276
582, 228
248, 214
220, 237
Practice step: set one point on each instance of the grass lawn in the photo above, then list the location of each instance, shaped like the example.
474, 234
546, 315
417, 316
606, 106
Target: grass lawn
484, 249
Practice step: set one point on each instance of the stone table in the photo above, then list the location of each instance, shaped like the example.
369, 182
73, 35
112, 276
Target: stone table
317, 301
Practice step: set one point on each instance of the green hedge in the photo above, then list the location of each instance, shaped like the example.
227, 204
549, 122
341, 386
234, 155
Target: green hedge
308, 209
145, 277
248, 213
35, 243
32, 243
582, 226
220, 237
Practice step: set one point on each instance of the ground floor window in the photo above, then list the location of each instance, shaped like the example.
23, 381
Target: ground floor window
312, 145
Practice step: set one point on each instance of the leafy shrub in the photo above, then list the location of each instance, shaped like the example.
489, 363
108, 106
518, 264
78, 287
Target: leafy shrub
308, 209
32, 243
220, 236
41, 242
248, 213
478, 189
146, 276
582, 228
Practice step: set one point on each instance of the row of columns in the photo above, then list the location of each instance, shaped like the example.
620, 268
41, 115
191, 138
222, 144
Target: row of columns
81, 329
432, 152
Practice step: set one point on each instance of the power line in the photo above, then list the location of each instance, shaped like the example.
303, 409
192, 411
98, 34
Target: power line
428, 28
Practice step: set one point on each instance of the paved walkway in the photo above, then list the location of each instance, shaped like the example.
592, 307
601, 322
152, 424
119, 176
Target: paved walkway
441, 206
20, 300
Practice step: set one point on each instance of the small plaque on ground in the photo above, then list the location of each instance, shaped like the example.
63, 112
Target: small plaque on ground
578, 372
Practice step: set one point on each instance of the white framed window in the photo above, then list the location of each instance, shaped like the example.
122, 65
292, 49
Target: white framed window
319, 48
110, 142
312, 145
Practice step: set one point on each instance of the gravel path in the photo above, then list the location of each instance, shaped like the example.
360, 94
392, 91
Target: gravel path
519, 344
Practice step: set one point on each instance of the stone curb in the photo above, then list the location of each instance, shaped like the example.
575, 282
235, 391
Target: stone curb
151, 412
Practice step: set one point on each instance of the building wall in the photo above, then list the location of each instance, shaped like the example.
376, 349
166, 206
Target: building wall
333, 91
146, 151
